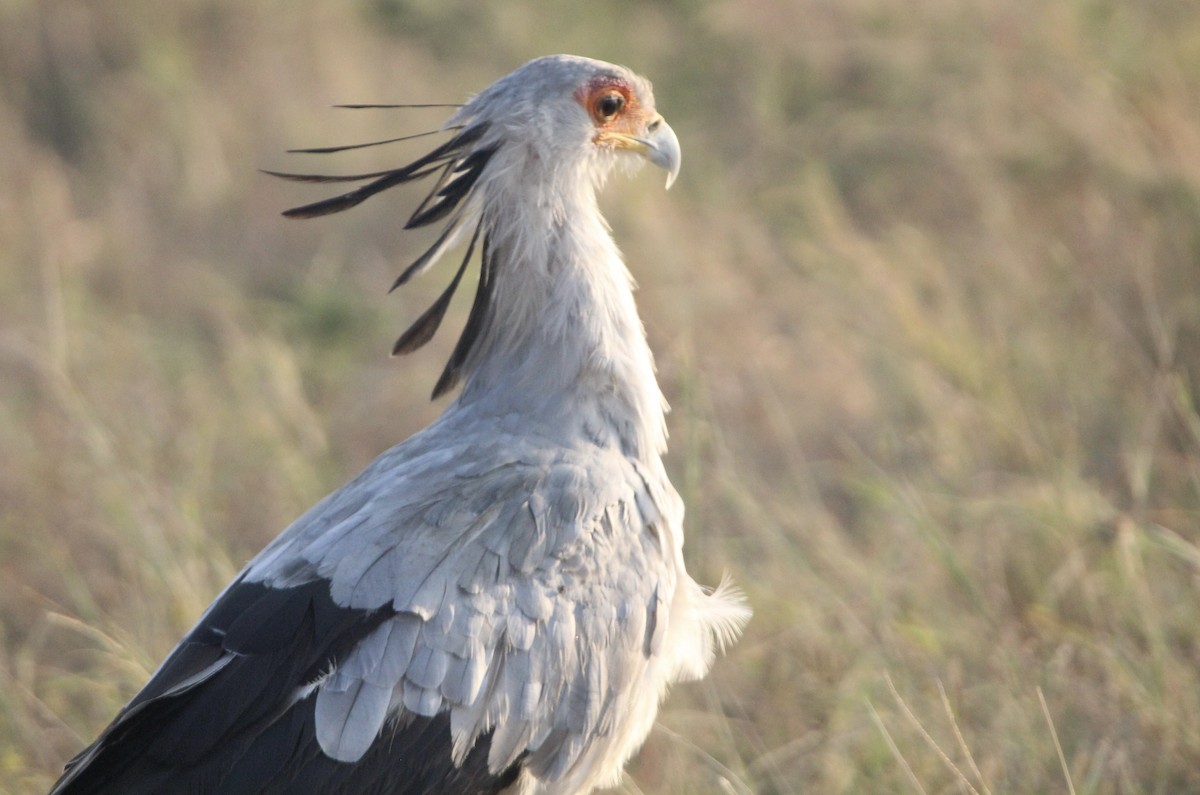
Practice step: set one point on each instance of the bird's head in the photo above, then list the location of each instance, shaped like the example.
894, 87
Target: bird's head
569, 111
549, 128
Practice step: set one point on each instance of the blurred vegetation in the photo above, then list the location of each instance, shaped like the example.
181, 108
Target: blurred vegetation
926, 301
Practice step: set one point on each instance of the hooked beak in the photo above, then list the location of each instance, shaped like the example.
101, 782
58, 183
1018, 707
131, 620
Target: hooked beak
658, 145
661, 147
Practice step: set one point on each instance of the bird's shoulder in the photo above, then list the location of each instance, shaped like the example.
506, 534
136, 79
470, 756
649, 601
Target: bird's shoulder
524, 583
468, 506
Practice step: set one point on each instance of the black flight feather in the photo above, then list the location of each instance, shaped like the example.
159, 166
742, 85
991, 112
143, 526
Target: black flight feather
240, 730
184, 731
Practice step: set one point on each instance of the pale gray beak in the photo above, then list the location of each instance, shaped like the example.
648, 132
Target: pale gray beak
661, 147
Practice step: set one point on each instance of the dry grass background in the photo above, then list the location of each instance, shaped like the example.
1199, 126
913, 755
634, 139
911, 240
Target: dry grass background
926, 301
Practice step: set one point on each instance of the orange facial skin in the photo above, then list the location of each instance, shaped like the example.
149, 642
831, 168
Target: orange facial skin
615, 109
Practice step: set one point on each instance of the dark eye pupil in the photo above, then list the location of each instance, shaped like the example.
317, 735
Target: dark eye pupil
611, 105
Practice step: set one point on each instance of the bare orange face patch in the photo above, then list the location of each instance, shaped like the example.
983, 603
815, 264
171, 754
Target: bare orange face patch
612, 104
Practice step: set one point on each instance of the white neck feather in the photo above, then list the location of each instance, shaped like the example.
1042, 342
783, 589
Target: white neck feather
563, 342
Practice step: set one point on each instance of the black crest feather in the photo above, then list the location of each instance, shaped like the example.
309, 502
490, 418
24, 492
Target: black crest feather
459, 164
422, 331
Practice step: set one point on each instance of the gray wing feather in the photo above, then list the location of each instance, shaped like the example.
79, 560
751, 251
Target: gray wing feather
428, 667
395, 652
528, 589
420, 701
520, 631
349, 715
533, 599
465, 675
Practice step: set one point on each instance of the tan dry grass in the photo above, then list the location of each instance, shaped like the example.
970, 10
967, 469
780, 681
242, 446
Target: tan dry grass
926, 301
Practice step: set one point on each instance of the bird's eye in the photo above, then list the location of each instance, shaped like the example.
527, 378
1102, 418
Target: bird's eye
609, 105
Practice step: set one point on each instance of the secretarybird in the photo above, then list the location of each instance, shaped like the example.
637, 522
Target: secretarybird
497, 604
